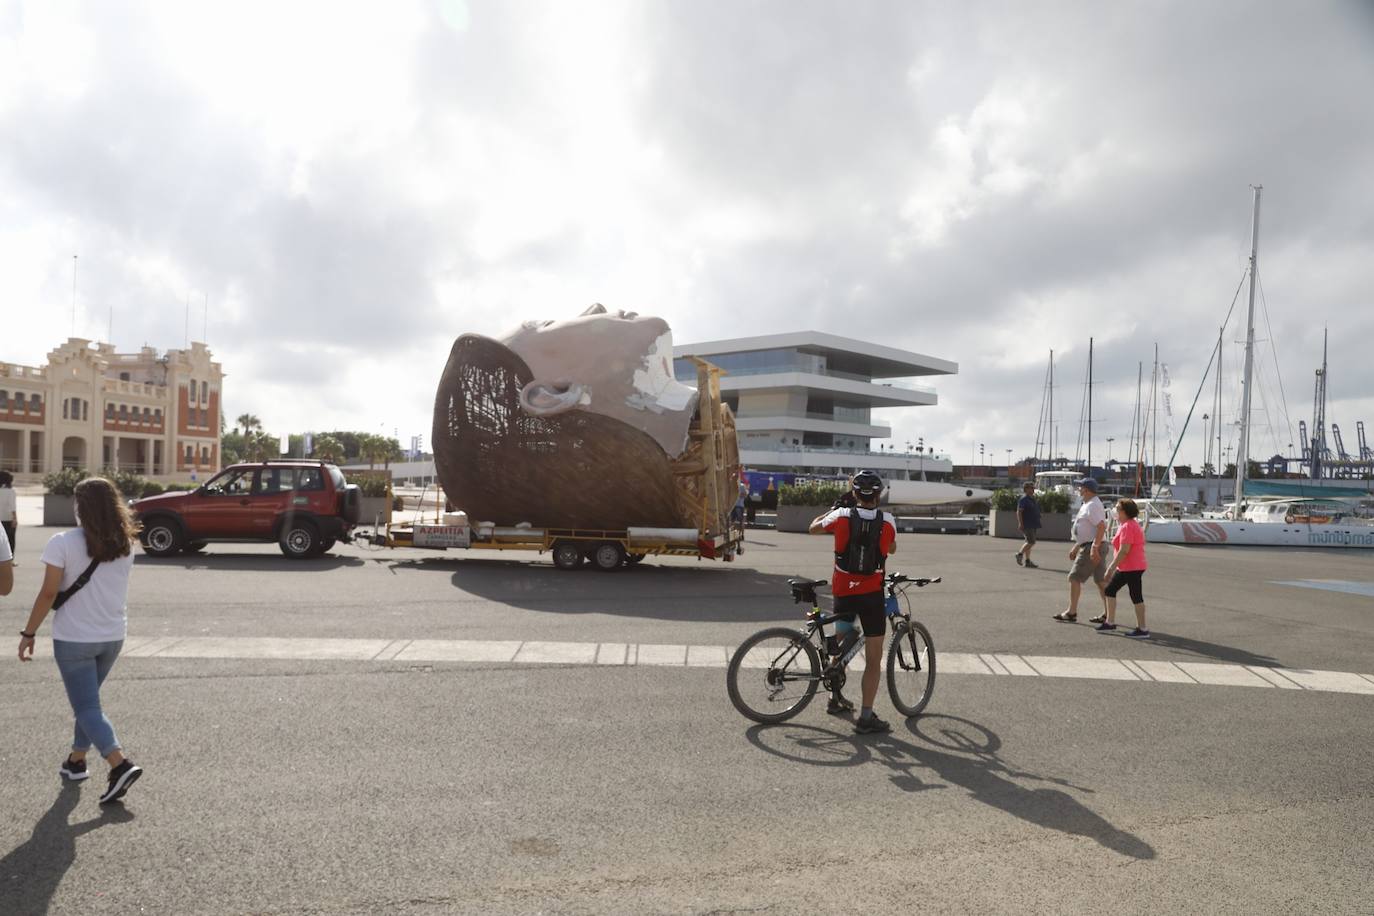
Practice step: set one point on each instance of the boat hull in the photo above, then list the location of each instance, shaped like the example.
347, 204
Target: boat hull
1228, 532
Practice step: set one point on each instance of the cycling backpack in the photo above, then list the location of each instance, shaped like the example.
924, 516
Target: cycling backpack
863, 554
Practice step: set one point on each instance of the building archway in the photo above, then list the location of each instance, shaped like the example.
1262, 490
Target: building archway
74, 452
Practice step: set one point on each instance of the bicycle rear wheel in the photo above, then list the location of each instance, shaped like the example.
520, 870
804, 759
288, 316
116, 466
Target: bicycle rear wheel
910, 667
773, 675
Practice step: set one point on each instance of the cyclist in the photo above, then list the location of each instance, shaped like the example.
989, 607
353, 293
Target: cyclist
864, 537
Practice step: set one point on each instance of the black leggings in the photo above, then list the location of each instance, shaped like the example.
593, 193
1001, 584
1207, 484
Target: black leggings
1129, 580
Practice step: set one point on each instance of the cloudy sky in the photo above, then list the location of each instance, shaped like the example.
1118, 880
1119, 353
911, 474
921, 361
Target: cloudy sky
351, 186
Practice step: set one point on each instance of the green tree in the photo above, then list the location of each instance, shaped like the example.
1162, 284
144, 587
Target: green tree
328, 448
250, 424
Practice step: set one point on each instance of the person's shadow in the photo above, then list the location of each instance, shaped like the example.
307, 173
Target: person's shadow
31, 872
975, 767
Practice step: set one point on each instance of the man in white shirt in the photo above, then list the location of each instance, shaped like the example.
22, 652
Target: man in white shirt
1087, 554
6, 567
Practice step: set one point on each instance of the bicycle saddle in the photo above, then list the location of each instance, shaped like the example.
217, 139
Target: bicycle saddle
807, 583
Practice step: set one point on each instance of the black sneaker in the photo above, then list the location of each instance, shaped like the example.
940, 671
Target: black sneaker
1029, 565
121, 777
838, 705
1105, 627
1020, 559
1138, 633
871, 725
74, 770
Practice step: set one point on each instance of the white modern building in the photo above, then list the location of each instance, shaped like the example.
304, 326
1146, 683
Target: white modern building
804, 402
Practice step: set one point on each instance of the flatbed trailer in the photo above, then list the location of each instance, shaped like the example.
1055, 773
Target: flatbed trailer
569, 547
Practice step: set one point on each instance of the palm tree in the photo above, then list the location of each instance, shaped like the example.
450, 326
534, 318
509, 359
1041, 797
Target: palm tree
374, 448
328, 448
249, 422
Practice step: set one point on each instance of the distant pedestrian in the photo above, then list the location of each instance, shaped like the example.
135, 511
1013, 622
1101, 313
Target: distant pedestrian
1028, 523
86, 584
1088, 558
1128, 566
6, 568
9, 508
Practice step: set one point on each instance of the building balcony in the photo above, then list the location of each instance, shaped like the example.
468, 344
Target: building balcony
135, 427
24, 417
872, 394
813, 423
141, 389
14, 370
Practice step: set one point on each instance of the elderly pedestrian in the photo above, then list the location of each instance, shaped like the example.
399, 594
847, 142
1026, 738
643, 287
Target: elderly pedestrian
86, 585
1126, 569
1028, 523
1087, 556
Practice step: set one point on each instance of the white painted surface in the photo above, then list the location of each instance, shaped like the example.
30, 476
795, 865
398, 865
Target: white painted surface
562, 653
459, 650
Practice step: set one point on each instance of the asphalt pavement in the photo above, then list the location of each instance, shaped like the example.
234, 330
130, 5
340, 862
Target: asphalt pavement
368, 786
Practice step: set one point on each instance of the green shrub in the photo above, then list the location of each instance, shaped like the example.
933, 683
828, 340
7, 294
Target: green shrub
370, 484
63, 482
129, 484
397, 504
1053, 501
151, 488
178, 487
1005, 500
811, 494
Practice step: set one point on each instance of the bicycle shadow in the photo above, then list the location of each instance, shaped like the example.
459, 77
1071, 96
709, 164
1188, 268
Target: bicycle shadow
31, 872
956, 758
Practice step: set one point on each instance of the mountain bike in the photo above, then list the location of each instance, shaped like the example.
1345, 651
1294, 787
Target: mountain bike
775, 673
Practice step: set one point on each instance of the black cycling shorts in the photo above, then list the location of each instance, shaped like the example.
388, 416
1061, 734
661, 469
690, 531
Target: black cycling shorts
870, 608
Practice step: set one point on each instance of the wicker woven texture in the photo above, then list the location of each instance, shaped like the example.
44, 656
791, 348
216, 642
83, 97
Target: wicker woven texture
573, 470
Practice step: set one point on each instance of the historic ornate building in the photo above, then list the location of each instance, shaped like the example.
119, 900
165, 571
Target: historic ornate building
93, 408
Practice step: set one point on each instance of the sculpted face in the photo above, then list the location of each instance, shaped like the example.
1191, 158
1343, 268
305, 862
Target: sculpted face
616, 364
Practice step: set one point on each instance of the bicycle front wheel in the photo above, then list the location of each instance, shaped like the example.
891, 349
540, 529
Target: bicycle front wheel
910, 667
773, 675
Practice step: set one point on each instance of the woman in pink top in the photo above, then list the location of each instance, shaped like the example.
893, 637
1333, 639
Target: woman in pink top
1126, 569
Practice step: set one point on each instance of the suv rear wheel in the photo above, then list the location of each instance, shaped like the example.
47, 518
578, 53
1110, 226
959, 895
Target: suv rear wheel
161, 537
300, 539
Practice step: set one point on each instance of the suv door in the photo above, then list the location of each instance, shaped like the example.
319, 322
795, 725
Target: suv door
220, 509
272, 496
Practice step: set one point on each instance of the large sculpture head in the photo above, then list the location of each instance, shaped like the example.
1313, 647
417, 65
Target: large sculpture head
573, 423
616, 364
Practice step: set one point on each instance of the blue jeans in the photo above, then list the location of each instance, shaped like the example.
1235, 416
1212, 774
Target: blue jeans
84, 666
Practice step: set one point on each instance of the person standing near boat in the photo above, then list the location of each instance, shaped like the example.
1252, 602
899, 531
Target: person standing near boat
1028, 523
1126, 569
86, 579
1089, 560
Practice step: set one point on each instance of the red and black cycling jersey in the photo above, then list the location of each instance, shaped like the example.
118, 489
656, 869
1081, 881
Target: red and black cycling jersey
836, 522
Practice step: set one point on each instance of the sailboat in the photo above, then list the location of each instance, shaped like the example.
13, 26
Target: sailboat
1260, 525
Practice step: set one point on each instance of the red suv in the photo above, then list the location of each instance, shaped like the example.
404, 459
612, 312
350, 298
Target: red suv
305, 506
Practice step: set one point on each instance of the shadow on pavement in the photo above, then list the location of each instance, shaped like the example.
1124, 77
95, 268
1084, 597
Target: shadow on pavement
249, 562
958, 752
1206, 649
31, 872
707, 592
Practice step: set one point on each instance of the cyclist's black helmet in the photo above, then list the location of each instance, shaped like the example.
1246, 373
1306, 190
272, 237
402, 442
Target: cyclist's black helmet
867, 485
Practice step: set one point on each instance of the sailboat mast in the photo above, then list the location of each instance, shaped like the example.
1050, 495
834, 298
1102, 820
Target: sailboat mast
1090, 407
1051, 410
1243, 448
1218, 470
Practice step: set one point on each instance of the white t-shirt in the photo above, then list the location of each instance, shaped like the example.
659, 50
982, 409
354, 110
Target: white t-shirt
1085, 523
8, 504
5, 555
97, 613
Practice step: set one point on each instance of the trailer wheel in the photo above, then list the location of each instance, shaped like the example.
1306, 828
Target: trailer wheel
567, 555
633, 559
608, 556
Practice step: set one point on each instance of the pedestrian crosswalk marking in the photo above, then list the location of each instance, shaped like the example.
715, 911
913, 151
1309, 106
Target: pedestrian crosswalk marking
677, 655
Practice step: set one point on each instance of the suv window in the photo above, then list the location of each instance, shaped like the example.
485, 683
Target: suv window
231, 483
276, 480
310, 479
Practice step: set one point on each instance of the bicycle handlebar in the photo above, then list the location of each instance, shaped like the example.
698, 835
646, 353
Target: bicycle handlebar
918, 581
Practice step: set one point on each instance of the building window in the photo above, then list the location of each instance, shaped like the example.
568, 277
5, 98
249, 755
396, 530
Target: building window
35, 403
123, 376
191, 398
205, 392
188, 454
64, 408
85, 406
109, 412
123, 413
147, 416
4, 400
157, 416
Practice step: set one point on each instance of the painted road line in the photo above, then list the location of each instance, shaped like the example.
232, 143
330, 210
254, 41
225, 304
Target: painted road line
1096, 668
1223, 675
1338, 681
960, 663
1014, 665
1167, 672
993, 664
707, 656
661, 655
392, 650
458, 650
269, 648
1135, 669
560, 653
1273, 677
151, 647
611, 653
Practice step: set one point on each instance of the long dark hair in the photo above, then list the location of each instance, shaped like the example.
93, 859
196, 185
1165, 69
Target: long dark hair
6, 478
110, 528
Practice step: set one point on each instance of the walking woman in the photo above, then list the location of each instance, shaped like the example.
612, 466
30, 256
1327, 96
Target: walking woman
1126, 569
86, 584
9, 509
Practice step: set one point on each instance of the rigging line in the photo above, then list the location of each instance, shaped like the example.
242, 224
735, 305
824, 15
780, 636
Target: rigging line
1215, 351
1273, 349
